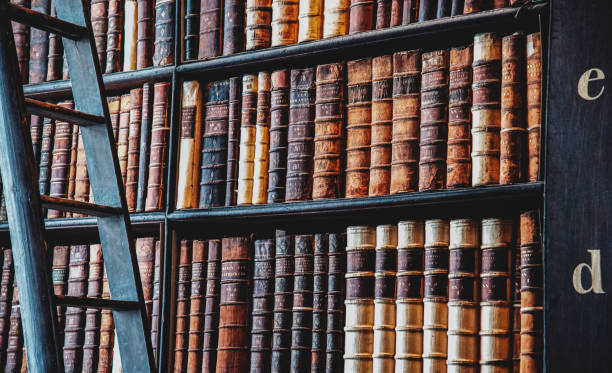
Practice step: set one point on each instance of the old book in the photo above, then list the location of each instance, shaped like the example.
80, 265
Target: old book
107, 333
515, 259
91, 342
189, 145
54, 56
486, 115
46, 156
500, 3
155, 304
248, 121
159, 142
382, 125
496, 245
233, 138
258, 24
410, 11
284, 22
310, 20
197, 302
14, 349
434, 120
283, 302
59, 276
396, 12
191, 29
358, 127
532, 310
463, 296
457, 7
74, 144
300, 137
319, 303
211, 309
81, 187
233, 349
39, 45
279, 123
359, 303
145, 141
60, 166
406, 115
444, 8
75, 317
458, 160
6, 295
114, 107
473, 6
210, 29
183, 290
362, 16
262, 316
383, 14
384, 298
435, 308
534, 104
133, 153
130, 34
233, 26
163, 52
262, 140
301, 327
427, 9
36, 124
334, 346
124, 133
145, 255
213, 163
99, 25
409, 303
329, 131
114, 36
144, 35
335, 18
21, 35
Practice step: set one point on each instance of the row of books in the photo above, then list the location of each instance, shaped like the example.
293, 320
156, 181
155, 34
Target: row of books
463, 295
411, 121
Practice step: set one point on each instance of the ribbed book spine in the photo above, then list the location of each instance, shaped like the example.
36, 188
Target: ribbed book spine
114, 36
145, 255
91, 343
310, 20
263, 304
334, 347
21, 35
163, 53
246, 152
124, 132
382, 125
145, 142
319, 303
59, 276
46, 156
130, 32
284, 22
258, 24
335, 18
427, 9
283, 302
6, 295
60, 166
301, 328
211, 310
159, 142
362, 15
145, 34
183, 291
233, 26
155, 304
39, 45
262, 140
210, 29
279, 123
383, 14
192, 25
14, 351
233, 138
133, 160
75, 317
107, 335
534, 104
197, 303
99, 25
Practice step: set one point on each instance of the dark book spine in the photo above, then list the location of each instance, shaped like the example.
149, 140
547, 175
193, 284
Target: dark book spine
39, 45
283, 302
383, 14
196, 307
36, 126
159, 142
279, 122
516, 300
457, 7
145, 141
54, 58
46, 156
319, 303
144, 34
114, 36
210, 29
75, 317
145, 252
444, 8
183, 286
233, 26
427, 9
334, 346
382, 125
362, 16
192, 25
233, 139
258, 24
301, 328
14, 351
60, 166
133, 151
91, 343
6, 295
155, 306
99, 25
211, 309
107, 333
21, 35
59, 276
164, 32
410, 11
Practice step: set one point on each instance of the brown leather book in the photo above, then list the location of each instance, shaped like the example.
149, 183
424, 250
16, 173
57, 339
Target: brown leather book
233, 350
258, 24
335, 18
74, 144
114, 36
183, 290
155, 304
14, 349
279, 123
189, 146
233, 26
197, 302
39, 45
36, 125
382, 125
60, 166
124, 133
91, 342
473, 6
133, 153
163, 52
459, 161
107, 333
486, 115
500, 3
114, 106
75, 317
46, 156
534, 104
262, 140
301, 328
145, 255
233, 138
81, 187
130, 34
159, 142
246, 162
144, 34
319, 303
99, 25
329, 131
21, 35
410, 11
358, 127
434, 120
334, 347
6, 295
396, 12
210, 29
516, 300
145, 145
283, 302
284, 22
59, 276
383, 14
362, 15
406, 114
211, 310
310, 20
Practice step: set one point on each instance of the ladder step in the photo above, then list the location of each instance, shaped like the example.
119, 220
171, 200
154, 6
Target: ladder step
97, 303
85, 208
57, 112
45, 22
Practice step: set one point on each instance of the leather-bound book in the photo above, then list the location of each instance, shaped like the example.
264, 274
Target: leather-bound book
124, 133
133, 160
258, 24
262, 140
59, 276
532, 310
155, 304
91, 342
310, 20
210, 29
473, 6
457, 7
99, 25
114, 36
145, 142
362, 16
319, 303
444, 8
513, 131
192, 28
358, 127
211, 309
409, 303
114, 106
130, 34
36, 125
410, 11
427, 9
6, 295
458, 160
383, 14
384, 298
107, 333
21, 35
463, 296
335, 18
279, 123
81, 187
301, 327
516, 300
359, 303
435, 309
61, 161
159, 142
406, 114
382, 125
283, 302
534, 104
14, 349
300, 137
233, 137
233, 26
246, 152
197, 302
334, 346
262, 319
145, 255
183, 290
39, 45
144, 34
233, 349
495, 318
75, 317
434, 120
500, 3
396, 12
284, 22
163, 52
214, 146
74, 144
46, 155
329, 131
189, 145
486, 115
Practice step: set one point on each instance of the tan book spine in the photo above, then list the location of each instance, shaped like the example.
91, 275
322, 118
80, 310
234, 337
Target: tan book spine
246, 160
335, 18
73, 163
130, 34
284, 22
124, 133
114, 110
262, 140
131, 179
258, 24
81, 187
534, 104
382, 125
310, 20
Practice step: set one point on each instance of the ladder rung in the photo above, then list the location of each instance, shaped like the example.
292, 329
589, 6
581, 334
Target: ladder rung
45, 22
97, 303
57, 112
85, 208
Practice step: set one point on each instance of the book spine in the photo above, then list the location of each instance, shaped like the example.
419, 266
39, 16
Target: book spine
99, 25
46, 156
409, 303
233, 26
262, 139
131, 178
263, 304
500, 3
196, 309
362, 15
14, 350
114, 36
145, 252
114, 111
246, 152
463, 296
382, 125
457, 7
191, 24
383, 13
60, 166
283, 301
36, 124
163, 53
74, 145
107, 334
124, 133
427, 9
155, 306
459, 161
310, 20
329, 131
183, 290
444, 8
211, 309
279, 123
159, 142
284, 22
130, 32
534, 104
75, 317
396, 12
81, 187
258, 24
473, 6
91, 342
516, 300
335, 18
486, 114
384, 298
233, 138
21, 35
144, 34
6, 294
54, 56
319, 303
359, 303
300, 137
233, 350
301, 326
145, 141
334, 347
435, 308
210, 29
406, 116
59, 276
39, 45
410, 11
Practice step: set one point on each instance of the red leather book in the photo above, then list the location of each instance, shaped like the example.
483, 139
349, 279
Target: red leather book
99, 25
145, 34
210, 29
133, 149
145, 255
233, 26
